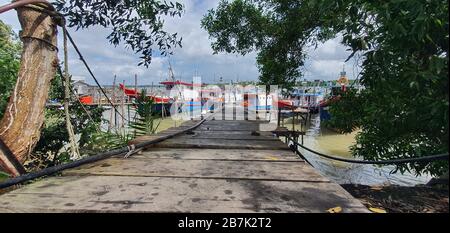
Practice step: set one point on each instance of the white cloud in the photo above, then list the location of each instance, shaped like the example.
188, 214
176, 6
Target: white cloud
196, 55
327, 61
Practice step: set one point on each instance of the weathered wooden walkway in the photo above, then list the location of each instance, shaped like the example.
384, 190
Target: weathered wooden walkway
221, 167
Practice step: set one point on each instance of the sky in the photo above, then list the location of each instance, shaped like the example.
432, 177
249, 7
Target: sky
195, 57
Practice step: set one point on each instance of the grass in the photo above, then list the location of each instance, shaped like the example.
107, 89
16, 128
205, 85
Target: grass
3, 176
167, 123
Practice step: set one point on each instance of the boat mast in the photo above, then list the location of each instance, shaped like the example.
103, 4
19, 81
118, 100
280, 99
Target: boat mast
172, 78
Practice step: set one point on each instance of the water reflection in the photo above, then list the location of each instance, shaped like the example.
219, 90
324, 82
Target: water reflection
329, 142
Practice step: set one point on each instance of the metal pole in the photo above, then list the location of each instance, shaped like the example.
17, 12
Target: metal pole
279, 115
201, 104
293, 120
191, 107
135, 84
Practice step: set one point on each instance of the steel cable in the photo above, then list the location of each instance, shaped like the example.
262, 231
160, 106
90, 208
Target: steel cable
429, 158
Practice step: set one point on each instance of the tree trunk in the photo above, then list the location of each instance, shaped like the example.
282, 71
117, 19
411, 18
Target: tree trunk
24, 116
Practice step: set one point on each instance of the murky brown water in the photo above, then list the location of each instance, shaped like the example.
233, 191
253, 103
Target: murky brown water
329, 142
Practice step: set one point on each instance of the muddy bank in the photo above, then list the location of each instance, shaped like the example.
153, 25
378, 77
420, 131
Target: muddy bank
400, 199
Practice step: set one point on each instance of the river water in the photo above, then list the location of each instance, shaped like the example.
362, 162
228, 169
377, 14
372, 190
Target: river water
329, 142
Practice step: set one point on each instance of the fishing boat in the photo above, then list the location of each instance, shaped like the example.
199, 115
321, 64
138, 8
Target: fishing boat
261, 101
333, 97
258, 101
285, 104
160, 103
308, 98
187, 97
86, 99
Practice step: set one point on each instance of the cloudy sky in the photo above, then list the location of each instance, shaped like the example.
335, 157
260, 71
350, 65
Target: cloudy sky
195, 57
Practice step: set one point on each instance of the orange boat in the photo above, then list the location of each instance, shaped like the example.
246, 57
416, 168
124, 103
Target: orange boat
87, 99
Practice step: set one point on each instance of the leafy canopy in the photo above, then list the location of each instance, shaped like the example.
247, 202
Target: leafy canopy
137, 23
278, 30
10, 48
403, 110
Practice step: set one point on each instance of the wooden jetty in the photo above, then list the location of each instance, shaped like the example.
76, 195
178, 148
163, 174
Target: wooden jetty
221, 166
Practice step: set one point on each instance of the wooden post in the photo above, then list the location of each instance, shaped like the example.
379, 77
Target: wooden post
191, 108
122, 106
99, 98
257, 103
21, 125
293, 120
267, 95
74, 151
246, 104
135, 84
201, 104
279, 115
113, 112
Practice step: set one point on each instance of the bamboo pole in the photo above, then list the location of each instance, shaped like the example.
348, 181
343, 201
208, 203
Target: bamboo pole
122, 106
113, 113
75, 153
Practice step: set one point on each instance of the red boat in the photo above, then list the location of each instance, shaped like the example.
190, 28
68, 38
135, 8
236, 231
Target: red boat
285, 104
87, 99
133, 94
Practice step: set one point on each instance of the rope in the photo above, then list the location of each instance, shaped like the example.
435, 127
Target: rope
91, 73
21, 3
295, 149
429, 158
85, 110
75, 97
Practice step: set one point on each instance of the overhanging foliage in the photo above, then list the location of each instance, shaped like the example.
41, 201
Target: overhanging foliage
403, 110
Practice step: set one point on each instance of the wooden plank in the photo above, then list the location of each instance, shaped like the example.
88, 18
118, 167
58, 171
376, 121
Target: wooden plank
223, 144
221, 169
212, 133
232, 135
153, 194
146, 138
234, 122
169, 131
225, 136
267, 177
231, 125
212, 154
228, 127
259, 127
